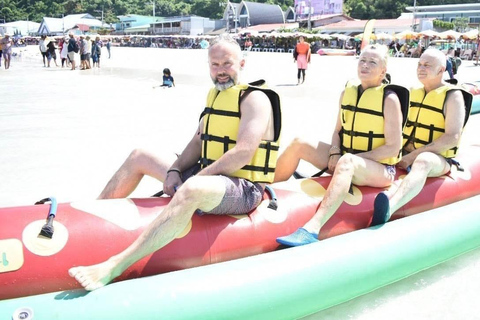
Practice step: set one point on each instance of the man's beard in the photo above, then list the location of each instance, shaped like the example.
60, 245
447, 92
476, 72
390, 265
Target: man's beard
224, 86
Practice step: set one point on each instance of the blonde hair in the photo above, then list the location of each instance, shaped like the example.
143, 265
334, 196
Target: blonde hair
381, 49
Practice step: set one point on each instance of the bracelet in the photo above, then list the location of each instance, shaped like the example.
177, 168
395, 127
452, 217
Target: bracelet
175, 170
334, 154
334, 147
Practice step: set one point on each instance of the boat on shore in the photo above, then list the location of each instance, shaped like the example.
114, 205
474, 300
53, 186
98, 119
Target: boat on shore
335, 52
284, 284
89, 232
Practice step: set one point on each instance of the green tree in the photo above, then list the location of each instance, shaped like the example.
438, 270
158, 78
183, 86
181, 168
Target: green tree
212, 9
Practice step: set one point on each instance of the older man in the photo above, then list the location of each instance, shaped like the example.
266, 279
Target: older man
438, 113
236, 142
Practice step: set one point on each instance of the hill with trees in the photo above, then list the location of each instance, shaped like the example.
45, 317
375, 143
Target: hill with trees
35, 10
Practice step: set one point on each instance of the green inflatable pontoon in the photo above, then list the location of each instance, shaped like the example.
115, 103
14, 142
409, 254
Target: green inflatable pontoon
285, 284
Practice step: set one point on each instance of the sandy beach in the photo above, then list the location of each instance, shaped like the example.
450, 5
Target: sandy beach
63, 133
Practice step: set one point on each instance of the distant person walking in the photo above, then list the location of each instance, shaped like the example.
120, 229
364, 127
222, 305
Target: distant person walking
108, 47
303, 58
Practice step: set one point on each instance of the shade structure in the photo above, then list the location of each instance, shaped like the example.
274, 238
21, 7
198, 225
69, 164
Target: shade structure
383, 36
406, 35
429, 34
470, 35
450, 35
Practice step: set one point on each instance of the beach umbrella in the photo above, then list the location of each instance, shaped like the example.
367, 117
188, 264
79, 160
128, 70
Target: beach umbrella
406, 35
449, 35
429, 34
339, 36
383, 36
323, 36
359, 37
470, 35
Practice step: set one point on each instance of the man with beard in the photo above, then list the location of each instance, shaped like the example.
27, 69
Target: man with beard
222, 170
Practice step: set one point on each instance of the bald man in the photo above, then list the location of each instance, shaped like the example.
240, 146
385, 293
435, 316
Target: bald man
437, 116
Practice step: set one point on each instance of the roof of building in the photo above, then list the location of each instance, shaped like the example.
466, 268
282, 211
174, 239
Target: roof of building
261, 13
58, 25
360, 24
447, 7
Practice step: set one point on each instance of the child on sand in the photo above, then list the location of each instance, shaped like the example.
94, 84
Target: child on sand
168, 81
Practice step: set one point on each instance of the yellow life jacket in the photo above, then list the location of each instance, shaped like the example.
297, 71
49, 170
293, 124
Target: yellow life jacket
221, 124
426, 119
363, 118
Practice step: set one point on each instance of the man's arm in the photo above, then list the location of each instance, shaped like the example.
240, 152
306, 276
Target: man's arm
454, 119
255, 109
185, 160
392, 131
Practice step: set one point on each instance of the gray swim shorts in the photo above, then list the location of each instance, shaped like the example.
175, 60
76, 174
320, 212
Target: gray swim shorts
241, 195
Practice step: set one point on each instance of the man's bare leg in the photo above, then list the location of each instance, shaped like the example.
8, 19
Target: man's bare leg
138, 164
200, 192
427, 164
300, 150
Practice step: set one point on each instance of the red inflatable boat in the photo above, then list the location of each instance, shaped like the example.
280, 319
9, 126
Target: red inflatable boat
92, 231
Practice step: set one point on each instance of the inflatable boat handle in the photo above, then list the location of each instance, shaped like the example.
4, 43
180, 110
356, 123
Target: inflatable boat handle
273, 198
47, 229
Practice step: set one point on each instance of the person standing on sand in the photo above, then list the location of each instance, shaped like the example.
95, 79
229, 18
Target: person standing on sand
206, 177
478, 49
42, 45
303, 58
72, 45
7, 50
108, 47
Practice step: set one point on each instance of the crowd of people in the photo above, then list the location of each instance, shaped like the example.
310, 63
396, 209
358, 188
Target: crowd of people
235, 150
89, 51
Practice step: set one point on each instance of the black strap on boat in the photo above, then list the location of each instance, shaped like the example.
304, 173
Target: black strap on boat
456, 164
273, 204
158, 194
47, 229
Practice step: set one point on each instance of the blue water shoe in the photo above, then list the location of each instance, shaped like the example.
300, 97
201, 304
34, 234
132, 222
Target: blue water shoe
298, 238
381, 209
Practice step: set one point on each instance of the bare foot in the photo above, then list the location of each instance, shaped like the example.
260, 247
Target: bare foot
96, 276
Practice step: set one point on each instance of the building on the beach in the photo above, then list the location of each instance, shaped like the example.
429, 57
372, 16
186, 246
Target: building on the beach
21, 27
448, 13
246, 14
354, 27
149, 25
75, 23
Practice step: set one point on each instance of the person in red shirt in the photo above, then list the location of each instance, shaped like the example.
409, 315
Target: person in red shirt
303, 57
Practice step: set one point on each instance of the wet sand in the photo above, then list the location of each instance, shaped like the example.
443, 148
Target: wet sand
63, 133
